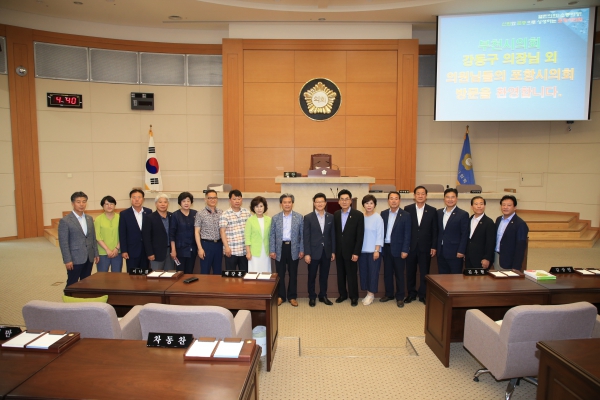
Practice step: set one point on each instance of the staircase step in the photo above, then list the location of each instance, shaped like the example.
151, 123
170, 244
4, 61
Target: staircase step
587, 240
574, 232
548, 220
52, 235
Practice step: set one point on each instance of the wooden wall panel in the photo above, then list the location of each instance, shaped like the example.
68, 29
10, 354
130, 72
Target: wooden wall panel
371, 99
268, 131
268, 162
269, 98
377, 162
298, 87
320, 64
264, 185
268, 66
371, 131
372, 66
329, 133
302, 158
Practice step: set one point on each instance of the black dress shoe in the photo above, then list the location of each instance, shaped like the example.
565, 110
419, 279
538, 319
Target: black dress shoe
340, 299
311, 302
400, 303
409, 299
354, 302
385, 298
422, 300
325, 300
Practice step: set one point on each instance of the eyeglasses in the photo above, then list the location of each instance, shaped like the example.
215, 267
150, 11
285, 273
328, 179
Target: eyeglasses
345, 199
320, 202
212, 198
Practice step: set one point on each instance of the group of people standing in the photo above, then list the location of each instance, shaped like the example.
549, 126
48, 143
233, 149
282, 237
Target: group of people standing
406, 239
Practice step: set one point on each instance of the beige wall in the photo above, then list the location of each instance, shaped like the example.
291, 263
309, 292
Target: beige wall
501, 151
101, 149
8, 224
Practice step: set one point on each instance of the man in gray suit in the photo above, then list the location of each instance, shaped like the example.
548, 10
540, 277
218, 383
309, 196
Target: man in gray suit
287, 247
319, 236
77, 239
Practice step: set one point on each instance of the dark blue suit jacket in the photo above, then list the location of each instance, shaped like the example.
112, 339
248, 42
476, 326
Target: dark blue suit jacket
400, 238
316, 241
423, 236
456, 234
130, 234
513, 243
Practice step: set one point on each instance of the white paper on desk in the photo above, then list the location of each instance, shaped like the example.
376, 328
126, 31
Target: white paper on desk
251, 275
45, 341
594, 271
510, 273
155, 274
498, 274
168, 274
584, 272
229, 349
201, 349
264, 275
22, 339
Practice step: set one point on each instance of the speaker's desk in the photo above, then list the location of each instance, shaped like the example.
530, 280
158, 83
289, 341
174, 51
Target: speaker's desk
125, 291
127, 369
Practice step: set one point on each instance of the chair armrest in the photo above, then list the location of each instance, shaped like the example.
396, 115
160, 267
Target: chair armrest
482, 340
243, 324
130, 325
596, 331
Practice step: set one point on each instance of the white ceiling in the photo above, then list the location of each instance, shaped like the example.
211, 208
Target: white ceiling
217, 14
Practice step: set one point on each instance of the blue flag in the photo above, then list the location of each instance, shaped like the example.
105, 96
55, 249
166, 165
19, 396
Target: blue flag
465, 174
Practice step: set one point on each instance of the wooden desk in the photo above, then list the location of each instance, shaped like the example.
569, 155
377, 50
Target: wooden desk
450, 296
571, 288
16, 367
127, 369
260, 297
569, 369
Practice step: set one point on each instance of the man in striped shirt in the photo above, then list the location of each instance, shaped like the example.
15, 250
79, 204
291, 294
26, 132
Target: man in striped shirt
232, 226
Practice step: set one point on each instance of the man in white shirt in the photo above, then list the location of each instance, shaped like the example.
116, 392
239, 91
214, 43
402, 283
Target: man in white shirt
482, 237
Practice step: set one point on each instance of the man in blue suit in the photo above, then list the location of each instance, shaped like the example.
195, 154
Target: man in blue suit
287, 247
453, 234
319, 237
511, 236
130, 231
396, 244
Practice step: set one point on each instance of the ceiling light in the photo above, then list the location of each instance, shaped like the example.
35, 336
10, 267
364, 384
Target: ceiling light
175, 18
78, 3
322, 19
572, 3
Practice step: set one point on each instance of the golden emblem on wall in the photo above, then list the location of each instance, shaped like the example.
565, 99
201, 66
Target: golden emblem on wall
320, 99
467, 162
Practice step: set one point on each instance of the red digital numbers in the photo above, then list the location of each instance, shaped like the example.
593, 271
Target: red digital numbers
64, 100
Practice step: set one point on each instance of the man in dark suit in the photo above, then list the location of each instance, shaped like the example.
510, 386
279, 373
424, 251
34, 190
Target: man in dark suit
130, 231
511, 236
396, 244
319, 239
77, 240
482, 237
349, 234
453, 233
423, 243
155, 235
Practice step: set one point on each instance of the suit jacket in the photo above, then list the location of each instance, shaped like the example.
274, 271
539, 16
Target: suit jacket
423, 236
155, 236
315, 240
349, 241
253, 236
400, 238
75, 245
276, 236
513, 243
456, 234
130, 234
482, 243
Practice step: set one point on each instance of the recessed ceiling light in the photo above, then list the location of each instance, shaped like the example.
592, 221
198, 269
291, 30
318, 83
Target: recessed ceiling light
78, 3
175, 18
322, 19
572, 3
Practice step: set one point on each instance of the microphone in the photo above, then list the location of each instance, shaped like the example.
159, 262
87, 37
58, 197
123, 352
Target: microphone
332, 192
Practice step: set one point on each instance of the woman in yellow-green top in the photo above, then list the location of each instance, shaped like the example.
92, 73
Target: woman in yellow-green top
258, 227
107, 235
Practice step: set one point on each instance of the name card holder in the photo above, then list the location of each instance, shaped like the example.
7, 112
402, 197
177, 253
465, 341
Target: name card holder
562, 270
169, 340
140, 271
7, 332
233, 274
475, 272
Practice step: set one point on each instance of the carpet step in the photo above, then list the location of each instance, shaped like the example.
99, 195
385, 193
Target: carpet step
52, 235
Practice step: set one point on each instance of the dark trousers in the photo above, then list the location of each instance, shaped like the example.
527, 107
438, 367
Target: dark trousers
286, 263
393, 267
186, 264
347, 270
368, 270
451, 265
235, 263
79, 271
423, 260
138, 262
213, 257
322, 264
